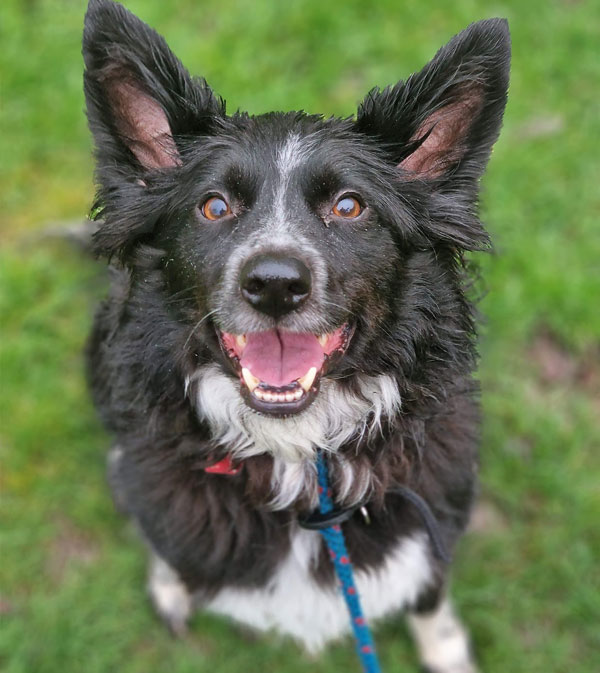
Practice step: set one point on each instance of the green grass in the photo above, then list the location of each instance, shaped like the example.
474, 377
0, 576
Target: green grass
72, 570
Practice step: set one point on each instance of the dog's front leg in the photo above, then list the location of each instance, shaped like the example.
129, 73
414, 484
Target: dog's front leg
170, 597
442, 640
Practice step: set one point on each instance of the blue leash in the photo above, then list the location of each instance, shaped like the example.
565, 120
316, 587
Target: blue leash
328, 522
336, 544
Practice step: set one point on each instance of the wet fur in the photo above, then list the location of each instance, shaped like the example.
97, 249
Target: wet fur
415, 153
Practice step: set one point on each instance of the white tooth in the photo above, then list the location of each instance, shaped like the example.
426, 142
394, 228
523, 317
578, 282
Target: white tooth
267, 397
281, 397
258, 393
307, 380
290, 397
323, 339
250, 380
241, 340
298, 394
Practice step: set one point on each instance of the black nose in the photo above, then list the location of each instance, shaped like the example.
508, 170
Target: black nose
275, 284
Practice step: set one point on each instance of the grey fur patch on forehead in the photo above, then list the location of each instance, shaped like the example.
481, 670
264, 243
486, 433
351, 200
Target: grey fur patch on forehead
291, 154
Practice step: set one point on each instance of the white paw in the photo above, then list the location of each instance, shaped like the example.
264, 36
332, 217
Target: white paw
442, 641
170, 598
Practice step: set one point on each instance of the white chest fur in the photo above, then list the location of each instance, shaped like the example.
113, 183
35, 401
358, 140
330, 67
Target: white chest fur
295, 605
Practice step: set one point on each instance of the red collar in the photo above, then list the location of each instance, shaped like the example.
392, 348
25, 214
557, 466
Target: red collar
224, 466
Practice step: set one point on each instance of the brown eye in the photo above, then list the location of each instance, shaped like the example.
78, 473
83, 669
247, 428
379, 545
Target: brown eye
215, 208
348, 207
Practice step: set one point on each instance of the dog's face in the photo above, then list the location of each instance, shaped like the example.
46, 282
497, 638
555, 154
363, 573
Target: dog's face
294, 247
295, 242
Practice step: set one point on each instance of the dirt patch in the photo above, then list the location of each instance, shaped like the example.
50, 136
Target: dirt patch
6, 607
557, 366
486, 519
70, 547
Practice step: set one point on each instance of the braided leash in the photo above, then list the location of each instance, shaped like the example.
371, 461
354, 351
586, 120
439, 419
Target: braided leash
328, 522
336, 544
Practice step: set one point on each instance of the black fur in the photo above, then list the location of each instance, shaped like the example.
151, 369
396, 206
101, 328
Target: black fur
414, 155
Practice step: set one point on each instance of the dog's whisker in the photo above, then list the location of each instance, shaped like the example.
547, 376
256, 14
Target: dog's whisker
181, 295
327, 302
196, 326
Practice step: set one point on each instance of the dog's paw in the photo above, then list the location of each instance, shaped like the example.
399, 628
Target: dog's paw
171, 599
442, 641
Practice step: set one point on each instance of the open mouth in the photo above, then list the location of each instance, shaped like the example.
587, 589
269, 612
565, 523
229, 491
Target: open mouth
280, 371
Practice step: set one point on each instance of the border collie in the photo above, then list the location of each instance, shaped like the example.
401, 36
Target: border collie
281, 284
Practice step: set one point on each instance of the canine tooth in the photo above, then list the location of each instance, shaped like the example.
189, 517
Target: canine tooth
307, 380
250, 380
323, 339
241, 340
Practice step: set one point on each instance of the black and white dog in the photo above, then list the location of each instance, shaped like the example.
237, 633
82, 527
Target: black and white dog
281, 284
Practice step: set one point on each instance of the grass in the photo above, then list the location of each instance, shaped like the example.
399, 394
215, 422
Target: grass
72, 571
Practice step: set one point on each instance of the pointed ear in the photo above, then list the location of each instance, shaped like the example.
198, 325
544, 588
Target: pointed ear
443, 121
139, 97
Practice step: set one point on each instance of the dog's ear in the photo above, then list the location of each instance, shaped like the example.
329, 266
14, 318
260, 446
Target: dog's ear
139, 97
442, 122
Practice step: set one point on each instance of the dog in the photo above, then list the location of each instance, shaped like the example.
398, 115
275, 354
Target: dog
284, 284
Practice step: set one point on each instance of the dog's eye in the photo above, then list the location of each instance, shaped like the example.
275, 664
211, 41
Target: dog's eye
215, 208
348, 207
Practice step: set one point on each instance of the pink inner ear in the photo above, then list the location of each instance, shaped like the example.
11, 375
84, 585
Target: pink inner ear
143, 124
448, 128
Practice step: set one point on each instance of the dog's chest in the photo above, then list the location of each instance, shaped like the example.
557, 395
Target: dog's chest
294, 604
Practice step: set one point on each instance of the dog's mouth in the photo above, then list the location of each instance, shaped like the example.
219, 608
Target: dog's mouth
280, 371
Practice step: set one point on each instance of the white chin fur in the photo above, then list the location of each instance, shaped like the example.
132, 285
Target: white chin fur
332, 419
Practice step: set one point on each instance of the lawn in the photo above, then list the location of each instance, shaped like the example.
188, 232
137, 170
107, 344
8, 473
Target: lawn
527, 576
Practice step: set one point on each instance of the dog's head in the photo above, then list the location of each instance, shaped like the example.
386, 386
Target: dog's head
295, 247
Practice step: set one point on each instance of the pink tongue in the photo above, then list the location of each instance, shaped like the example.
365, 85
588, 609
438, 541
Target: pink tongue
278, 357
